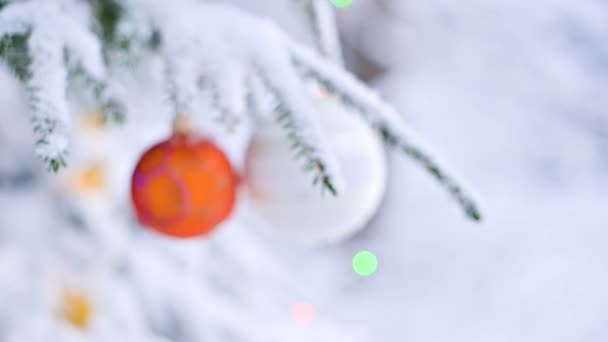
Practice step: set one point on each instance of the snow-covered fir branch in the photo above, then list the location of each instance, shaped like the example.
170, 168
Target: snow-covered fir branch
59, 42
387, 121
224, 56
110, 99
216, 69
46, 97
296, 115
229, 100
14, 19
323, 26
303, 143
14, 31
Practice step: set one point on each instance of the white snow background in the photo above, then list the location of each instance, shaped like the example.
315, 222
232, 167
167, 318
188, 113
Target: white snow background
514, 92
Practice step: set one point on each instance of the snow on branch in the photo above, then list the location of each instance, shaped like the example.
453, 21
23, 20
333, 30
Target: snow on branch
223, 54
294, 111
109, 97
387, 121
229, 95
47, 101
323, 26
14, 30
306, 140
57, 44
85, 59
179, 50
15, 19
219, 61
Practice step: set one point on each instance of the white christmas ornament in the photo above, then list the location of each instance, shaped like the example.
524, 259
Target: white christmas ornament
282, 192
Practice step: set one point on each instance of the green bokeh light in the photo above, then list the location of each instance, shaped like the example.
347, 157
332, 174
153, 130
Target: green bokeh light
342, 3
365, 263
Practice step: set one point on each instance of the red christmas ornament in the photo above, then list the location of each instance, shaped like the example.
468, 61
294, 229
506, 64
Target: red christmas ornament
183, 187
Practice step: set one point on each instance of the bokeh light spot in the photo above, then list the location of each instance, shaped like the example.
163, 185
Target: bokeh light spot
91, 177
342, 3
322, 93
365, 263
303, 313
76, 308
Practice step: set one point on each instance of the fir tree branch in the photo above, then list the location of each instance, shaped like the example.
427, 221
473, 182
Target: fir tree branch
323, 27
228, 95
259, 102
126, 34
47, 101
14, 32
301, 142
181, 85
312, 162
15, 19
386, 120
228, 115
14, 52
51, 52
180, 60
108, 14
112, 106
36, 58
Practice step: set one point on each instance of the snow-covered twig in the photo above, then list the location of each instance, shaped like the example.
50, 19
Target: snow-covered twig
223, 75
229, 95
14, 31
305, 140
179, 51
15, 19
229, 107
385, 119
271, 55
47, 101
323, 26
108, 95
53, 52
180, 87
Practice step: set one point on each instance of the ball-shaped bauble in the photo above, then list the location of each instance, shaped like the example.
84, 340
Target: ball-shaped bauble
183, 187
283, 194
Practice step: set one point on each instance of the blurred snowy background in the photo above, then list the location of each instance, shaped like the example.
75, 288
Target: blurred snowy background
514, 93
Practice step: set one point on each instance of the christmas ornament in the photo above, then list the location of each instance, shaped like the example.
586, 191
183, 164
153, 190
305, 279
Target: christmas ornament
282, 193
184, 186
76, 309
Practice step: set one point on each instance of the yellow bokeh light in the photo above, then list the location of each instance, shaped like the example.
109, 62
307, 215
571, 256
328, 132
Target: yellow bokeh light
91, 177
92, 121
76, 309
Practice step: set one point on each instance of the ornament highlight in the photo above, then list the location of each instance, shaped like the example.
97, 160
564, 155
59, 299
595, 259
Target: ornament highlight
183, 187
281, 192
